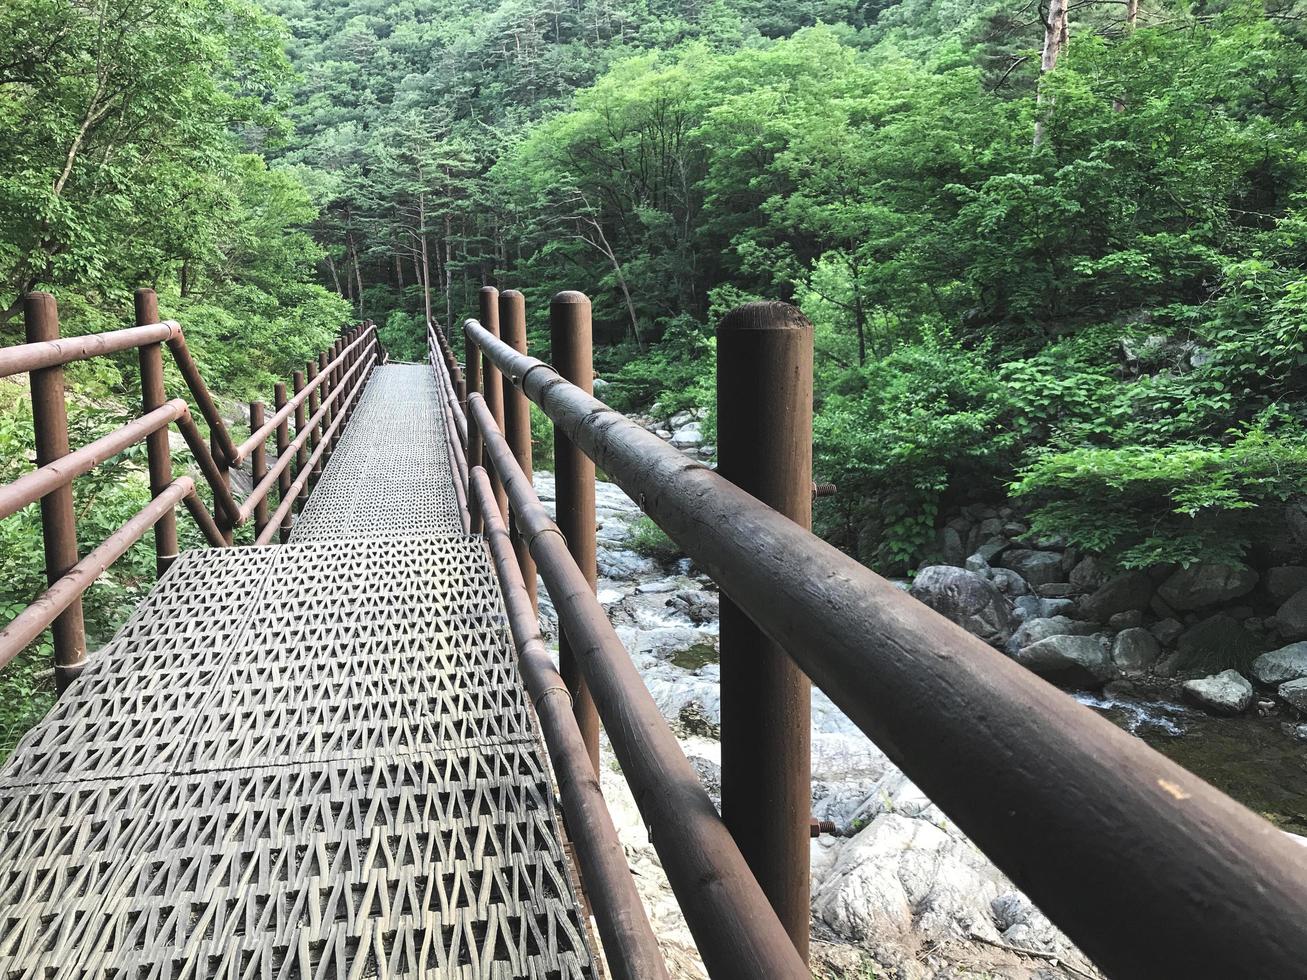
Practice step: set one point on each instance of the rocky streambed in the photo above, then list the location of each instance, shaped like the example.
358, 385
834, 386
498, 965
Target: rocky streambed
898, 891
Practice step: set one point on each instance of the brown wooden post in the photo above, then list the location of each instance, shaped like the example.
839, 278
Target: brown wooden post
283, 441
764, 446
315, 434
492, 383
156, 443
226, 523
330, 413
58, 521
259, 467
472, 362
574, 488
517, 425
301, 454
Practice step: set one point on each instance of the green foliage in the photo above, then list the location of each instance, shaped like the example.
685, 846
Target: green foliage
676, 373
405, 337
895, 435
648, 539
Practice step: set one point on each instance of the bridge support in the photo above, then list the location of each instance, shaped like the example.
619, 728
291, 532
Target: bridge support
59, 524
517, 426
156, 443
574, 488
492, 387
764, 446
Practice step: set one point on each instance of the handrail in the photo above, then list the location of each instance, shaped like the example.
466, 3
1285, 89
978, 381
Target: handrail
21, 358
1127, 852
29, 624
44, 356
737, 931
629, 943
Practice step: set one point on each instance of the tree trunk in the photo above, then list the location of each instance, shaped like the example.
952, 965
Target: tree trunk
1055, 41
426, 258
449, 277
1131, 19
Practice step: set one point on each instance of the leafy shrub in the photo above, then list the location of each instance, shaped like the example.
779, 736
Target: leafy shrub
898, 433
1177, 503
677, 373
648, 539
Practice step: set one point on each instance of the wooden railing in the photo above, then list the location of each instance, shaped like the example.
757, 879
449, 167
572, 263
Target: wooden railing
334, 380
1151, 871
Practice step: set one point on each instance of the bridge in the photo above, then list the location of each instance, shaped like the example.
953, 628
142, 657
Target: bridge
333, 744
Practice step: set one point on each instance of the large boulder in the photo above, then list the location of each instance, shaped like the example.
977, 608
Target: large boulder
967, 599
1295, 692
1215, 643
1088, 574
1072, 661
1226, 693
1291, 617
1285, 664
1284, 580
1206, 584
1036, 567
1135, 650
1130, 590
1041, 628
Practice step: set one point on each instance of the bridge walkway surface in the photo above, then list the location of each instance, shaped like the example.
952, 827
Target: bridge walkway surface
307, 760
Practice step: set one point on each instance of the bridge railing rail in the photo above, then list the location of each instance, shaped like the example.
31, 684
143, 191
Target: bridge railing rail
327, 388
1150, 870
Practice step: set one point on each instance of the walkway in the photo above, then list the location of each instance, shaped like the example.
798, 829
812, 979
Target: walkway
313, 760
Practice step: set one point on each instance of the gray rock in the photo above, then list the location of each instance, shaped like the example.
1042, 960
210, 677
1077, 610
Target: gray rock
1073, 661
1160, 609
1167, 631
1206, 584
1056, 607
1127, 620
1215, 643
1014, 529
1121, 593
991, 526
1036, 567
1291, 617
1226, 693
1285, 580
1009, 582
1285, 664
992, 548
1295, 692
1041, 628
1056, 590
977, 564
967, 599
688, 436
949, 544
1135, 650
1025, 607
1088, 574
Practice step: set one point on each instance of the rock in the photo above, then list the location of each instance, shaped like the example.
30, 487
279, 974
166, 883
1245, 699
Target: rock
1009, 582
688, 436
1166, 630
1127, 620
950, 546
1291, 617
1072, 661
1041, 628
699, 607
992, 548
1056, 607
1285, 664
1088, 574
1206, 584
1215, 643
1036, 567
1160, 609
967, 599
1226, 693
1014, 529
1121, 593
1167, 666
1056, 590
1295, 692
1135, 650
683, 417
991, 526
977, 564
1026, 607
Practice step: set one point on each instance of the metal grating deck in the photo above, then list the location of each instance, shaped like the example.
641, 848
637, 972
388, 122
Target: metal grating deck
307, 761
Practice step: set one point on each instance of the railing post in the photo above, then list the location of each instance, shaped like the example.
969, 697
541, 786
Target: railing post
283, 442
517, 425
764, 446
492, 383
574, 488
58, 522
226, 523
472, 363
301, 454
330, 413
156, 443
259, 468
315, 435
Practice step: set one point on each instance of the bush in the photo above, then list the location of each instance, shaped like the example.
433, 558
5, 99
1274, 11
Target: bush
647, 538
678, 372
897, 434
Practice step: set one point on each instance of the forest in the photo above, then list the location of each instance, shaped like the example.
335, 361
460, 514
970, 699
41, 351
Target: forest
1053, 251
